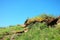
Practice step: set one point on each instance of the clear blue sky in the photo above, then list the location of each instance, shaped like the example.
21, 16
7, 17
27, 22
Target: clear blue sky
14, 12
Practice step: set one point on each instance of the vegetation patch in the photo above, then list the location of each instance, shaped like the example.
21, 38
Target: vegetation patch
42, 27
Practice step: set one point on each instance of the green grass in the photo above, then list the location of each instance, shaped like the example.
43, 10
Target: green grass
37, 31
4, 31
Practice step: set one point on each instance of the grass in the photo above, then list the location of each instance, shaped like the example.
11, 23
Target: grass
37, 31
9, 30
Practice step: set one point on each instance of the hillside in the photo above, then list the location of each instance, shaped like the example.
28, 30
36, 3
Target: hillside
41, 27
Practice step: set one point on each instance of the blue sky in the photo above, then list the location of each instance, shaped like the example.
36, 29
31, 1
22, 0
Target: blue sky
14, 12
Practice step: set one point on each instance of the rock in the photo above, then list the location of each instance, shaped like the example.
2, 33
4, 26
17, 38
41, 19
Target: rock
50, 21
26, 29
23, 25
54, 21
58, 21
58, 17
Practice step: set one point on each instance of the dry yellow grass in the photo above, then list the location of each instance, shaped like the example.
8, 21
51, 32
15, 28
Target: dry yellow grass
39, 19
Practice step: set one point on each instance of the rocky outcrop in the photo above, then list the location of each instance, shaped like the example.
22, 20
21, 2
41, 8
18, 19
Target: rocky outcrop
58, 21
50, 21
